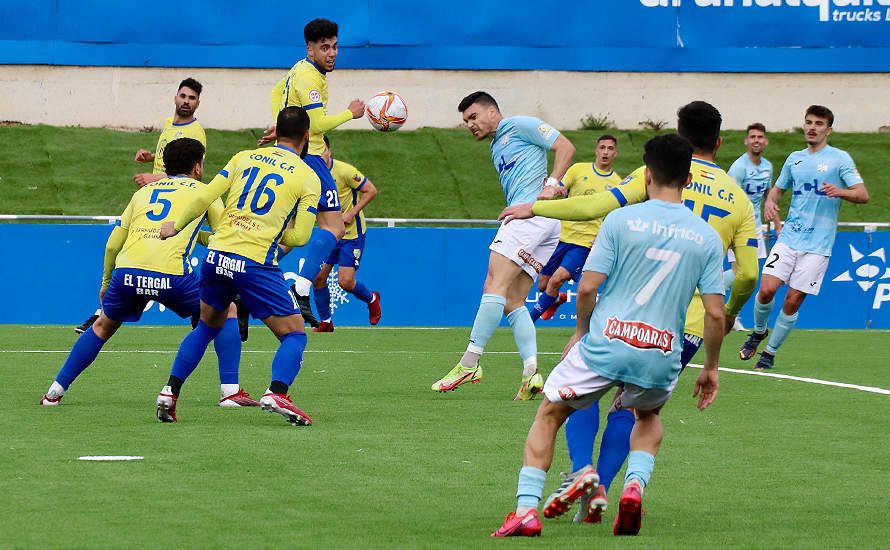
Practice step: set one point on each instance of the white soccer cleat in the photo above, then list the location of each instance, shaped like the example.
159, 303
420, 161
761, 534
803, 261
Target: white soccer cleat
53, 396
166, 405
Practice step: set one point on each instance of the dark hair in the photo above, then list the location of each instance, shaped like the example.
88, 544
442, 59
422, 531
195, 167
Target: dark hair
756, 126
482, 98
181, 155
699, 122
604, 137
292, 123
821, 112
668, 158
191, 83
327, 141
319, 28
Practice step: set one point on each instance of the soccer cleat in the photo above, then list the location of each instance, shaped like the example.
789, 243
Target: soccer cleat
239, 399
765, 362
592, 507
81, 328
51, 398
166, 405
324, 326
630, 510
374, 311
749, 348
528, 525
551, 311
305, 307
573, 487
281, 404
243, 318
457, 376
531, 386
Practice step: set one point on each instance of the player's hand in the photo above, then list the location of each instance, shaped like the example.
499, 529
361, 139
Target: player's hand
572, 341
357, 106
167, 230
144, 179
348, 218
706, 386
833, 191
269, 135
143, 155
552, 192
770, 210
516, 212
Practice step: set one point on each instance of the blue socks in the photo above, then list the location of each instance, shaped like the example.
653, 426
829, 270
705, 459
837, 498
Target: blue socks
781, 330
319, 248
524, 333
323, 302
615, 445
289, 358
488, 317
83, 353
228, 352
581, 429
362, 293
530, 487
728, 279
544, 301
639, 466
192, 350
761, 314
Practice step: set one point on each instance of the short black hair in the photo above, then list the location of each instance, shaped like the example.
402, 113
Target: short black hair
605, 137
181, 155
191, 83
699, 122
292, 123
482, 98
319, 28
822, 112
756, 126
668, 158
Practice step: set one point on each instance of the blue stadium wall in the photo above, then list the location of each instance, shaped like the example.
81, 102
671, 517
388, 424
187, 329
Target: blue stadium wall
591, 35
426, 277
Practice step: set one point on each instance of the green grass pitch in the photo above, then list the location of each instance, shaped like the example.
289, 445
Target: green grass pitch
388, 463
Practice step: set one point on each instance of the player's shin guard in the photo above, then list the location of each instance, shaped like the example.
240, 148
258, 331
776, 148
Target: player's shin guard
544, 301
362, 293
615, 445
761, 314
784, 324
317, 251
530, 486
524, 334
288, 359
639, 466
581, 428
192, 349
488, 317
83, 353
228, 351
323, 302
728, 279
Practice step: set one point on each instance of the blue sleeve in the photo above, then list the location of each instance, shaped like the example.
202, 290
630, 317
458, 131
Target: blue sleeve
784, 179
603, 254
848, 172
737, 172
711, 280
536, 131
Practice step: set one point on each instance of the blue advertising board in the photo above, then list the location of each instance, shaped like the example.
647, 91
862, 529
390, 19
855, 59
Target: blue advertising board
426, 277
591, 35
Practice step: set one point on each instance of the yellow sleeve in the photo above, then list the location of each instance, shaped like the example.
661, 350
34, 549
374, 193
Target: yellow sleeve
214, 217
211, 192
354, 178
745, 279
112, 248
127, 216
590, 207
277, 98
320, 123
305, 218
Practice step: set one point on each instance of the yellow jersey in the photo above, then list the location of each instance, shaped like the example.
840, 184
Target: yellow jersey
583, 178
349, 184
306, 86
267, 188
173, 131
150, 207
712, 194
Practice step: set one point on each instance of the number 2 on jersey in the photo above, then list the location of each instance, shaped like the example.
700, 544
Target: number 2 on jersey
262, 190
670, 260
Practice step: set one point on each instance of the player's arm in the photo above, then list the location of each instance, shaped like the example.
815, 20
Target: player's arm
144, 155
771, 205
214, 217
304, 220
276, 100
744, 245
855, 191
368, 193
708, 383
320, 123
564, 152
200, 204
144, 178
114, 244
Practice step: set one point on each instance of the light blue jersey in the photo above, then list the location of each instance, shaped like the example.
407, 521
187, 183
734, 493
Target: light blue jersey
519, 152
812, 217
754, 179
655, 254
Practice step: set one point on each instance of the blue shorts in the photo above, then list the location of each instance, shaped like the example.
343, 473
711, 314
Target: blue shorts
567, 255
348, 253
329, 199
691, 343
131, 289
262, 288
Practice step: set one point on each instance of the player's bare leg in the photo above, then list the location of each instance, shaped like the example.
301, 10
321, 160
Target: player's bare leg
645, 440
291, 332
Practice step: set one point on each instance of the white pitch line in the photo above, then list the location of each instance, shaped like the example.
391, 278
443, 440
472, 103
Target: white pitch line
869, 389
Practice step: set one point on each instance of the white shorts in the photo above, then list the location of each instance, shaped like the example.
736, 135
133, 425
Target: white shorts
529, 243
801, 271
761, 248
573, 383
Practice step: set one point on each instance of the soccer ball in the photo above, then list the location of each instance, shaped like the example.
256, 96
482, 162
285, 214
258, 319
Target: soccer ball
387, 111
